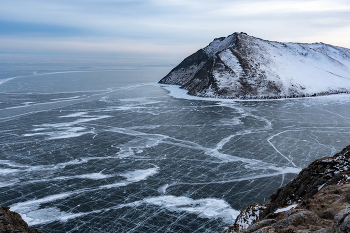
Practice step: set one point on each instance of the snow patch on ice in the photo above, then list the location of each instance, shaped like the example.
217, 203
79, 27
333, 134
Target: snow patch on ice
77, 114
138, 175
205, 208
7, 170
2, 81
34, 215
65, 129
163, 188
68, 133
91, 176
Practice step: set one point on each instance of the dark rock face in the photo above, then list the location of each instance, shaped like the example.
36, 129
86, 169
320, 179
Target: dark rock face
342, 221
12, 222
320, 173
299, 219
245, 67
326, 212
321, 198
186, 69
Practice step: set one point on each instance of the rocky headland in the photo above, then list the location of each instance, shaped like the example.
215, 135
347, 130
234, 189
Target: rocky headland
245, 67
317, 200
12, 222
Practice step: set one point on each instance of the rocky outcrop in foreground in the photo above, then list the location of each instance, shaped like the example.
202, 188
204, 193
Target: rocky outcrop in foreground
12, 222
246, 67
317, 200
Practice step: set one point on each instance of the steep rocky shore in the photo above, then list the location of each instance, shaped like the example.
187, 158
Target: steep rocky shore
11, 222
317, 200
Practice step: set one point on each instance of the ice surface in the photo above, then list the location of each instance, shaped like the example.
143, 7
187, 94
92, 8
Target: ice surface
138, 159
35, 216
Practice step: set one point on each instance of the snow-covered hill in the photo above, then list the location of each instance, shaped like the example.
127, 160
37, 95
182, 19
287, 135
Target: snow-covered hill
242, 66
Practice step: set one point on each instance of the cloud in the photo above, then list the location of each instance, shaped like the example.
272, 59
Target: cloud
9, 28
88, 45
255, 7
171, 26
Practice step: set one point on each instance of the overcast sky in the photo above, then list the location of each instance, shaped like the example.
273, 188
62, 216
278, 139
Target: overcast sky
175, 28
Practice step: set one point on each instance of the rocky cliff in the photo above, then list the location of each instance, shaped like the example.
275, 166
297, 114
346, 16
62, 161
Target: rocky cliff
11, 222
317, 200
242, 66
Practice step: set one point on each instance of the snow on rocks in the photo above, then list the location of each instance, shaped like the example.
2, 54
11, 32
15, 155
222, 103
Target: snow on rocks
286, 208
242, 66
249, 214
320, 197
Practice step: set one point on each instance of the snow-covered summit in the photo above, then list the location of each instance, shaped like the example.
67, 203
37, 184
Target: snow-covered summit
242, 66
220, 44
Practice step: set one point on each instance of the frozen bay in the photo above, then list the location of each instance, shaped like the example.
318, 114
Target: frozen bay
112, 151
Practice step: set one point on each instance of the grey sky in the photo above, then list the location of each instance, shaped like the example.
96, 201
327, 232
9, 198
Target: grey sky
173, 27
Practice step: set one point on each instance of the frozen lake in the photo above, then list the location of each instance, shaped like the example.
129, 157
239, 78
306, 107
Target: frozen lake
113, 151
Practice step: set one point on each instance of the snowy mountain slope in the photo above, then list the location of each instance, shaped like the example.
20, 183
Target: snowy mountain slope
242, 66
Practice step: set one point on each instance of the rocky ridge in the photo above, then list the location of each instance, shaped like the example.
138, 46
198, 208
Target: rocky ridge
317, 200
12, 222
246, 67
